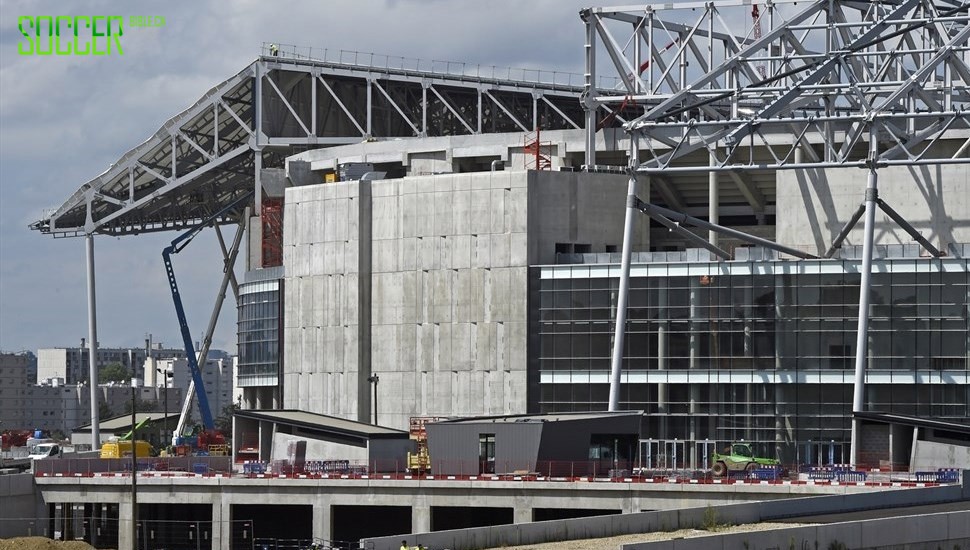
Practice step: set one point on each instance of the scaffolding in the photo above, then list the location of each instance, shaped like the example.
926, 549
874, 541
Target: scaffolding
846, 84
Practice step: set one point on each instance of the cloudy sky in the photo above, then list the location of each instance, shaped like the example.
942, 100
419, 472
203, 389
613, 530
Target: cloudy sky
64, 120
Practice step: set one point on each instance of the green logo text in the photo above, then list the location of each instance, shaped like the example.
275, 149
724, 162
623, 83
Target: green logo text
70, 35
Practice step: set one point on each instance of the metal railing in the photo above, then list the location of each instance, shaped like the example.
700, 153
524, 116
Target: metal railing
452, 69
668, 466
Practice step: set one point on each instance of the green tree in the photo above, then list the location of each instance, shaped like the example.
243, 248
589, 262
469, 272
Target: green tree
224, 421
140, 406
113, 372
104, 411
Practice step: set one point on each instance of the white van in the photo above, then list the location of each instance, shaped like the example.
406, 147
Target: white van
44, 449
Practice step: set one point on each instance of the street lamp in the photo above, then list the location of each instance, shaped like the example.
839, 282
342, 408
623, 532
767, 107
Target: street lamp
374, 379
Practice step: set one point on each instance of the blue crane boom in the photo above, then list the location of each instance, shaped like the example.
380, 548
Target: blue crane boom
177, 245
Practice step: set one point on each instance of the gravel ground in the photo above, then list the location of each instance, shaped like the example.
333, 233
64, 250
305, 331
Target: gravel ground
615, 542
41, 543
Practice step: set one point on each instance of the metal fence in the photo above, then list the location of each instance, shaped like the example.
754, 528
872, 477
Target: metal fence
672, 459
176, 465
453, 69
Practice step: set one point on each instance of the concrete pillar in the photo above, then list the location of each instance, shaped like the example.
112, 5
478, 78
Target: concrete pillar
420, 518
221, 532
322, 524
364, 250
522, 514
124, 526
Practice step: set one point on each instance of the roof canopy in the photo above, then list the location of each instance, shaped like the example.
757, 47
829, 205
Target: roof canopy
213, 152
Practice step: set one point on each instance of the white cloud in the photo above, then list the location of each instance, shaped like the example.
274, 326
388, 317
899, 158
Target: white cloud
63, 120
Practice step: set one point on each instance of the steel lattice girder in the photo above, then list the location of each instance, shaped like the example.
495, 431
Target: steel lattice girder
832, 70
211, 153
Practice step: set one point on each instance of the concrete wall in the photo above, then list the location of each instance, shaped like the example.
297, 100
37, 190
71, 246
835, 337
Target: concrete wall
320, 297
816, 204
18, 512
448, 285
447, 260
673, 519
929, 532
578, 208
930, 455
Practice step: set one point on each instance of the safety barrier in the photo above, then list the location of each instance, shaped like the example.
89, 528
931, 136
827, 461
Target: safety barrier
850, 475
158, 466
578, 471
821, 473
767, 474
942, 475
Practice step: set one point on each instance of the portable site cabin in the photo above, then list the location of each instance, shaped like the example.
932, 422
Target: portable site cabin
556, 444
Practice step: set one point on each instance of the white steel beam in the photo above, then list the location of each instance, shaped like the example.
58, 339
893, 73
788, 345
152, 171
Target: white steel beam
506, 111
342, 106
299, 120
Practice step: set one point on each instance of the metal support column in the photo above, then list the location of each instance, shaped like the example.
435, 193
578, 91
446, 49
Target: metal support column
621, 299
859, 388
589, 104
92, 344
712, 202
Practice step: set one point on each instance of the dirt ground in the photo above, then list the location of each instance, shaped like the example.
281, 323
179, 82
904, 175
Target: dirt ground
41, 543
615, 542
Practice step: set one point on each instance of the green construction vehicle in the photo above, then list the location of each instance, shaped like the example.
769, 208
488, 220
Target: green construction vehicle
739, 458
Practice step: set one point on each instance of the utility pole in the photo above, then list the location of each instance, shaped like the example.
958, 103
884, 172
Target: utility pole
134, 469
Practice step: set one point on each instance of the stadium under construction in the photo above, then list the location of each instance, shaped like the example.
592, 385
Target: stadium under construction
759, 234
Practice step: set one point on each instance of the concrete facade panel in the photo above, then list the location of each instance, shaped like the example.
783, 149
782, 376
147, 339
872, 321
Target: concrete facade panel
500, 249
497, 215
449, 260
817, 204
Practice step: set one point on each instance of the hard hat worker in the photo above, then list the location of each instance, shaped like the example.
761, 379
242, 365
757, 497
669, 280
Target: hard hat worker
404, 545
274, 50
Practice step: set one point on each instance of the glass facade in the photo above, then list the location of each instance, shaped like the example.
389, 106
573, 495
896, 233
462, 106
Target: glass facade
762, 351
259, 332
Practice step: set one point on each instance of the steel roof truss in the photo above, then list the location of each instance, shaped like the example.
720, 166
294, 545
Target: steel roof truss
235, 117
340, 104
669, 193
289, 107
194, 145
178, 181
505, 110
749, 189
396, 106
560, 113
451, 109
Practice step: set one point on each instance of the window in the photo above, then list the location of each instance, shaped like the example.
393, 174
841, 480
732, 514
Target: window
486, 453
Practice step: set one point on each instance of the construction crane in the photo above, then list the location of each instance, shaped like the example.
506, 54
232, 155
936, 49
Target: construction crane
178, 244
756, 22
